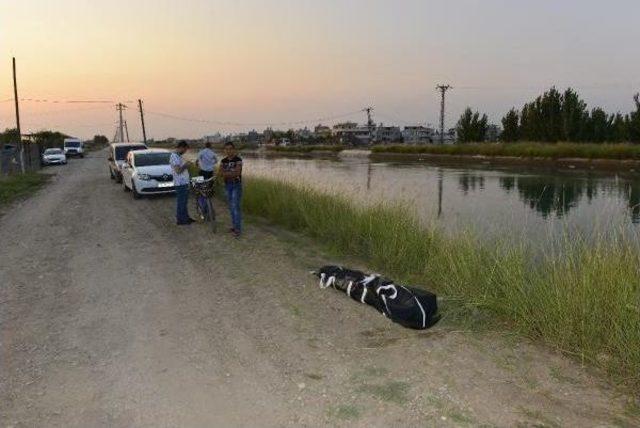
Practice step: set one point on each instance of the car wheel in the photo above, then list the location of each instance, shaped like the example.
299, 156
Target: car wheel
134, 192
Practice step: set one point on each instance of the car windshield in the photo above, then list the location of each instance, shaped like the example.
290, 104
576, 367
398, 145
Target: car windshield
53, 152
150, 159
121, 152
72, 144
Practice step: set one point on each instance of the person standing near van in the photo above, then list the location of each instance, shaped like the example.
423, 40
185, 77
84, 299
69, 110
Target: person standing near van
207, 161
180, 170
231, 171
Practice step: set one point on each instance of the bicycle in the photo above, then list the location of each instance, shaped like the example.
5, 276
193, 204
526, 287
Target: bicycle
203, 191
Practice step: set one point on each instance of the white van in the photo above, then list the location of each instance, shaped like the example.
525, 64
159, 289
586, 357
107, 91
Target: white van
73, 147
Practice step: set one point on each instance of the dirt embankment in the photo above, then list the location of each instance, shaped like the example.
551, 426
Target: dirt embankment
626, 165
110, 315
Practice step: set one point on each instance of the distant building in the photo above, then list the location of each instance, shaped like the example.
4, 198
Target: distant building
352, 133
213, 139
253, 136
418, 135
387, 134
303, 134
450, 137
322, 131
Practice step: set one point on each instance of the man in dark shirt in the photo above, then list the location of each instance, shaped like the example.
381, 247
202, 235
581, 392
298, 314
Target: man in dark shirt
231, 172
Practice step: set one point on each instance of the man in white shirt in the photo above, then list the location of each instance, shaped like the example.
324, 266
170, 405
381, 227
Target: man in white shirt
207, 160
180, 170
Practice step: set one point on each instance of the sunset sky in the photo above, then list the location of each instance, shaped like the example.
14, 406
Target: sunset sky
271, 61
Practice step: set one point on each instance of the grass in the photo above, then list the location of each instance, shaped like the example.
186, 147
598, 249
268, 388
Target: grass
525, 150
307, 149
20, 185
582, 299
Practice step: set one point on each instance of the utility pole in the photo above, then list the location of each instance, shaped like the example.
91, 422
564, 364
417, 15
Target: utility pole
15, 98
144, 131
126, 130
120, 107
370, 123
443, 90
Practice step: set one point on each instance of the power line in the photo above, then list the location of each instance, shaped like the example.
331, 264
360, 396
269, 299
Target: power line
49, 112
227, 123
45, 100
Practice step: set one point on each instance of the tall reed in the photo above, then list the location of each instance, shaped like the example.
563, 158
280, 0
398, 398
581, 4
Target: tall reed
527, 150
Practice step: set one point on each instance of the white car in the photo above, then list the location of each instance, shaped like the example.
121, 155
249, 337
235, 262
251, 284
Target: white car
54, 157
73, 147
147, 172
118, 156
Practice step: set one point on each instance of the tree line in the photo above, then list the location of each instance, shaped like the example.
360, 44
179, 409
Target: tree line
555, 117
46, 139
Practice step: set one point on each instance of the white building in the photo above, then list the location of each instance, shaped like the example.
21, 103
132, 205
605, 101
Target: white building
387, 134
418, 135
352, 133
213, 139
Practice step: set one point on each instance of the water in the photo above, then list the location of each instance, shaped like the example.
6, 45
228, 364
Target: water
514, 202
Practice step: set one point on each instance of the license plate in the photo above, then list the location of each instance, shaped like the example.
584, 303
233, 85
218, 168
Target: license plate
165, 184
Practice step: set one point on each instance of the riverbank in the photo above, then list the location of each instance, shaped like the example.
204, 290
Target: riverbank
606, 157
579, 299
18, 186
521, 150
317, 148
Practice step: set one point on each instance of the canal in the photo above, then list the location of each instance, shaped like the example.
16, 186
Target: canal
514, 202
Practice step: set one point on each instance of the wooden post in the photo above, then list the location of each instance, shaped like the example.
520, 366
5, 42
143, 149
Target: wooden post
144, 131
15, 98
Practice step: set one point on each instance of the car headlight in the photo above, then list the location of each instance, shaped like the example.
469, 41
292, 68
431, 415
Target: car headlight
144, 177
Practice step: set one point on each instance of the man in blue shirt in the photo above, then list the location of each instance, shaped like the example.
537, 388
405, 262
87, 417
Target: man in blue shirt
180, 170
207, 160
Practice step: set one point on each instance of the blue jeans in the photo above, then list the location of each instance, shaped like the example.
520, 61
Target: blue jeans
182, 197
234, 194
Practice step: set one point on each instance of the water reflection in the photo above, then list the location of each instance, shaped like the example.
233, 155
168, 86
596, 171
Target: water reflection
527, 204
469, 181
559, 195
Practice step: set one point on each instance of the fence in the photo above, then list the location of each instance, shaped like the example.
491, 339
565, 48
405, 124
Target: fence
10, 158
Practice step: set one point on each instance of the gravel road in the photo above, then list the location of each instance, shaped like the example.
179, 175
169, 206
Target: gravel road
110, 315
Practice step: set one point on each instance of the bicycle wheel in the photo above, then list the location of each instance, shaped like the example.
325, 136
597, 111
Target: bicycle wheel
212, 215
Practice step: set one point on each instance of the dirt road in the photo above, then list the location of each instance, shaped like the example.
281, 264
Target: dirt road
111, 315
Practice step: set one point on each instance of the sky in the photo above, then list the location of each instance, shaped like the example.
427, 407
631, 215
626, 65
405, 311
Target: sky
235, 65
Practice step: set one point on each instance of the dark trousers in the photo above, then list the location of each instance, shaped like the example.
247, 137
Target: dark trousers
206, 174
234, 195
182, 197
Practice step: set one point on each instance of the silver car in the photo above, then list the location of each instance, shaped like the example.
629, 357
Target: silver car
54, 157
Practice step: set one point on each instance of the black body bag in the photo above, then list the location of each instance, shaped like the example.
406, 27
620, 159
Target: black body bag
407, 306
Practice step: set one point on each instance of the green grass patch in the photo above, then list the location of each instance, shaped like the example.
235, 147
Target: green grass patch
581, 298
307, 149
345, 412
391, 391
20, 185
524, 150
